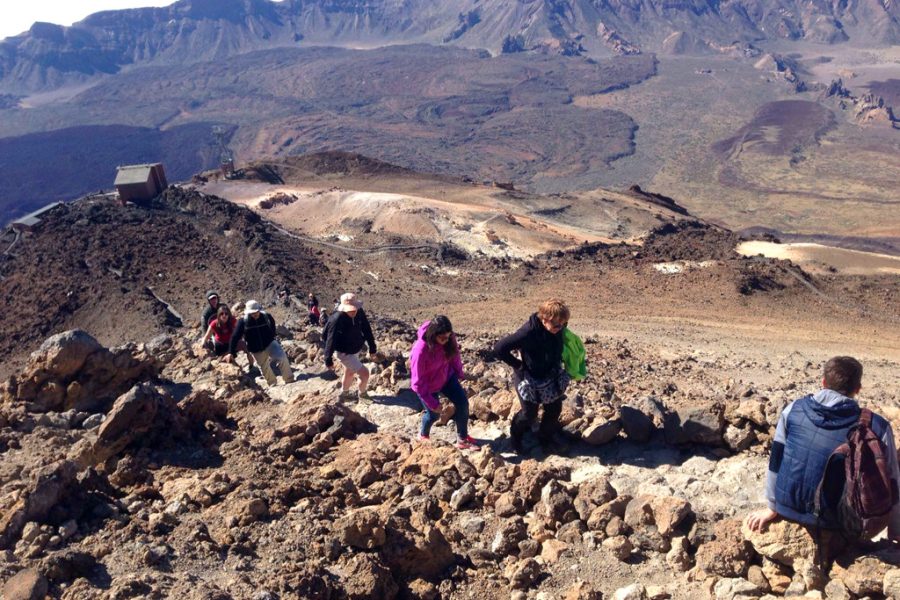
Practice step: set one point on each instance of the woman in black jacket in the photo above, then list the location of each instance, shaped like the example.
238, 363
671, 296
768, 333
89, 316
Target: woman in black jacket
346, 333
538, 375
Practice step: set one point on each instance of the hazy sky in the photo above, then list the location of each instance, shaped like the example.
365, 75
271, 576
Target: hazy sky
19, 15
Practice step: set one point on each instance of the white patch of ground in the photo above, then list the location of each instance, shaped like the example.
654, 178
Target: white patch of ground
818, 256
680, 266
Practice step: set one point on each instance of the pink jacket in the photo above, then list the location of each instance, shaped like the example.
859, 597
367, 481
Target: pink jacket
431, 369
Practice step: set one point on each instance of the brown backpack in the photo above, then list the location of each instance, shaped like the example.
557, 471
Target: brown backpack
869, 490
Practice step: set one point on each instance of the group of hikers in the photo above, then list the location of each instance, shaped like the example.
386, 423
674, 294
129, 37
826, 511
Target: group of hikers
549, 356
833, 465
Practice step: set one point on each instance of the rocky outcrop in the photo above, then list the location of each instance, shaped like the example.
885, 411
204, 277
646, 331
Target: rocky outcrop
71, 370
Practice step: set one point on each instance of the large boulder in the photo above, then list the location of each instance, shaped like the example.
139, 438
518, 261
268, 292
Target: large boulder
411, 553
704, 424
865, 574
65, 353
27, 584
729, 554
365, 576
132, 415
363, 528
49, 487
637, 425
782, 541
71, 370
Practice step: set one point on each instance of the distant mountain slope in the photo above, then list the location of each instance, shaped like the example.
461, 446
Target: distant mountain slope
190, 31
433, 109
67, 163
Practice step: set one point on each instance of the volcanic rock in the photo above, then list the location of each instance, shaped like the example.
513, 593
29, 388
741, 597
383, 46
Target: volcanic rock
364, 576
729, 554
865, 574
72, 370
782, 541
703, 424
583, 590
619, 546
592, 494
27, 584
735, 588
363, 528
601, 433
637, 426
411, 553
635, 591
523, 574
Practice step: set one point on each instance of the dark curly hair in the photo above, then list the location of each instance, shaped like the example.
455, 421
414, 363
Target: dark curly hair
438, 326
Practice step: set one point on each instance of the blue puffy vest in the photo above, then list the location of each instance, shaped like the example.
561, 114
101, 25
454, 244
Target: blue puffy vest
813, 431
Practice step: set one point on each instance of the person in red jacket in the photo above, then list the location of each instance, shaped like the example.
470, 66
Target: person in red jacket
220, 329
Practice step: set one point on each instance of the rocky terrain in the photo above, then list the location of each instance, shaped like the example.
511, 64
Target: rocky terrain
136, 466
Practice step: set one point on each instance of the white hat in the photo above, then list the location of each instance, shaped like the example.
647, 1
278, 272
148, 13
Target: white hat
349, 302
252, 306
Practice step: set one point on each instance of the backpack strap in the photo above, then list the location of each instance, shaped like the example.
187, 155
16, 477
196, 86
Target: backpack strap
865, 417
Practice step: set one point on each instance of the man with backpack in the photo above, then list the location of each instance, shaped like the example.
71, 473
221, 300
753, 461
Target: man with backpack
257, 328
833, 465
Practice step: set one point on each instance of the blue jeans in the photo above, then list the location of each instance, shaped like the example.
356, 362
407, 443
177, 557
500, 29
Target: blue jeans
454, 392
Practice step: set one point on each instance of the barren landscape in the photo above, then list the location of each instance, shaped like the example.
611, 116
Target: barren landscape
202, 482
711, 187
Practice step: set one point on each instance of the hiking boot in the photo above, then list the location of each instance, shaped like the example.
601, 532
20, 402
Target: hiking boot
467, 443
346, 396
364, 397
423, 439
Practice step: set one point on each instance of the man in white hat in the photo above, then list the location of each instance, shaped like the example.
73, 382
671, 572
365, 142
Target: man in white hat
346, 333
258, 329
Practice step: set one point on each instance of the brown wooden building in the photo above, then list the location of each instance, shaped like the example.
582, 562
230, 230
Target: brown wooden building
137, 183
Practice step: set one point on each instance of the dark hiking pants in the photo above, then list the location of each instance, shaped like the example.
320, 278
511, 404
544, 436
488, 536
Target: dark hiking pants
528, 413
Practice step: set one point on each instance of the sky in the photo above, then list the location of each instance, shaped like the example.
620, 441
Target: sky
18, 16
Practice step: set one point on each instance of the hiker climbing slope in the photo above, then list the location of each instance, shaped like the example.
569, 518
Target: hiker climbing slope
210, 310
347, 331
436, 367
538, 373
258, 329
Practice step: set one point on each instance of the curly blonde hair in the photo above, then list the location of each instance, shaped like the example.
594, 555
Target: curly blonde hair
554, 309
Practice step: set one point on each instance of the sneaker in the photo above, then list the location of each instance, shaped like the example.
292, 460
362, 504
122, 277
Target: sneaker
424, 439
467, 443
346, 396
365, 397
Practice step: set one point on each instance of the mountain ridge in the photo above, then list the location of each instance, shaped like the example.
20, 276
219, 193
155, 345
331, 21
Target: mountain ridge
190, 31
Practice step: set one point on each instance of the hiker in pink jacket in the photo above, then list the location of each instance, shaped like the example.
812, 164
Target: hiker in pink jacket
437, 368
